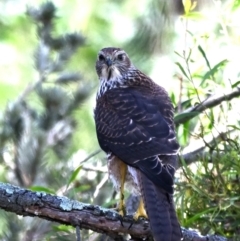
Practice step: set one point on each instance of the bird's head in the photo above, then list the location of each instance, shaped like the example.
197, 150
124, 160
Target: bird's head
112, 63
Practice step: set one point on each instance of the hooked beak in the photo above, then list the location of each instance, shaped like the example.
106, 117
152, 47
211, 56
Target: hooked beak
109, 62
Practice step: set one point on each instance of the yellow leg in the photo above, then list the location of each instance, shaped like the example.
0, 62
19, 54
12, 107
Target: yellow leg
123, 172
141, 212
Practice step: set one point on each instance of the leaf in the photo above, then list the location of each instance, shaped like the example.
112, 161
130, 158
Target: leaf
191, 220
204, 56
189, 5
178, 54
62, 228
182, 69
42, 189
74, 175
235, 84
189, 55
212, 71
181, 117
82, 188
234, 127
194, 16
186, 104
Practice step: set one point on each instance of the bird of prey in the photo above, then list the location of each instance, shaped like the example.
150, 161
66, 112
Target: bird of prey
134, 125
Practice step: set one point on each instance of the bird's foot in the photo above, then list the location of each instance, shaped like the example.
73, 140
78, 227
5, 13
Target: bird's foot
141, 212
121, 208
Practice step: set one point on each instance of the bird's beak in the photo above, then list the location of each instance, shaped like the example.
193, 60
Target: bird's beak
109, 62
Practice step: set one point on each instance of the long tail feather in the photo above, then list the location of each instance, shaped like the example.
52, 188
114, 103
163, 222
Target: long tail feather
160, 211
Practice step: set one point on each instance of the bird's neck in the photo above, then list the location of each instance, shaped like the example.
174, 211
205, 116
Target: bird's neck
116, 82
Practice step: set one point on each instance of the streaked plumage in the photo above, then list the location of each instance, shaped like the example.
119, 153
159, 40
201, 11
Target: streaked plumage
134, 123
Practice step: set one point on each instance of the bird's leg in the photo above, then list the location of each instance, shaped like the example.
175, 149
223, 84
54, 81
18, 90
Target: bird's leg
123, 172
141, 212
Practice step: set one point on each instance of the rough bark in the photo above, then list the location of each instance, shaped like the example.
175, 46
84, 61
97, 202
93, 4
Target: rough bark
70, 212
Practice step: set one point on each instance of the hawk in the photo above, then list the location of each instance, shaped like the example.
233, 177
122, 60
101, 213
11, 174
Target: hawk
134, 125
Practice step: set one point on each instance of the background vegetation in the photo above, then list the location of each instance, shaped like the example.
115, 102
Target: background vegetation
47, 95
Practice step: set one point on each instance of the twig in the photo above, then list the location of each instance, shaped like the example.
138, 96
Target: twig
78, 234
210, 102
198, 152
90, 156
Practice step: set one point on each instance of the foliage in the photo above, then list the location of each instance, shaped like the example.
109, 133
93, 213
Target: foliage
46, 129
208, 188
37, 128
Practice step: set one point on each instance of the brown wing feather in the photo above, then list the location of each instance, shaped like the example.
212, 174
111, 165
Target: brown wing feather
136, 125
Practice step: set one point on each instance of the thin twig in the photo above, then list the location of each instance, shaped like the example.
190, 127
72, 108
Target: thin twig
91, 155
78, 234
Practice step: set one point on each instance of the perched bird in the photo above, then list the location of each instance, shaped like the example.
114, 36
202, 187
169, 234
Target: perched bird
134, 125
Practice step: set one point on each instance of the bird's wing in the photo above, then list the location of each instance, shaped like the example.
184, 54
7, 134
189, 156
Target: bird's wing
134, 125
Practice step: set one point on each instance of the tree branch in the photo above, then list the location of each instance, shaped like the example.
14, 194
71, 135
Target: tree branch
198, 150
70, 212
210, 102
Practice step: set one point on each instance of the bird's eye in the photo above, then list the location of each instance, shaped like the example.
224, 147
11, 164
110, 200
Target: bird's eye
101, 57
120, 57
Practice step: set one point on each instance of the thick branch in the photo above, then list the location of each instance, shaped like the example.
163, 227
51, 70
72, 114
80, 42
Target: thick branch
70, 212
208, 103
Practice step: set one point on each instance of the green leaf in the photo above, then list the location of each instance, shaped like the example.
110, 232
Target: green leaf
194, 16
182, 69
204, 56
235, 84
82, 188
191, 220
212, 71
63, 228
189, 55
234, 127
181, 117
178, 54
186, 104
42, 189
74, 175
189, 5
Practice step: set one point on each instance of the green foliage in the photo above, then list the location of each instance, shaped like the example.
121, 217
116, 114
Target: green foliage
211, 193
207, 182
47, 135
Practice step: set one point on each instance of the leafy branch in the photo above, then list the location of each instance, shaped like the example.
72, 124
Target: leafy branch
209, 102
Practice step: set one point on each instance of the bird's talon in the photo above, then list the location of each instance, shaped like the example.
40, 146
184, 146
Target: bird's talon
131, 224
121, 220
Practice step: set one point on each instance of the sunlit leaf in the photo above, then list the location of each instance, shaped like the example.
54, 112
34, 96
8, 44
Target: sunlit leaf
195, 16
178, 54
235, 84
182, 69
63, 228
82, 188
42, 189
204, 56
213, 70
189, 5
234, 127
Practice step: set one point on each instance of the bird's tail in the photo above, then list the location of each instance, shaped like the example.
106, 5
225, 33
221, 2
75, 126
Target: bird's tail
160, 210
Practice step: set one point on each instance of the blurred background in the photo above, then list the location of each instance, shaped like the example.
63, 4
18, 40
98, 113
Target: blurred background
47, 96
